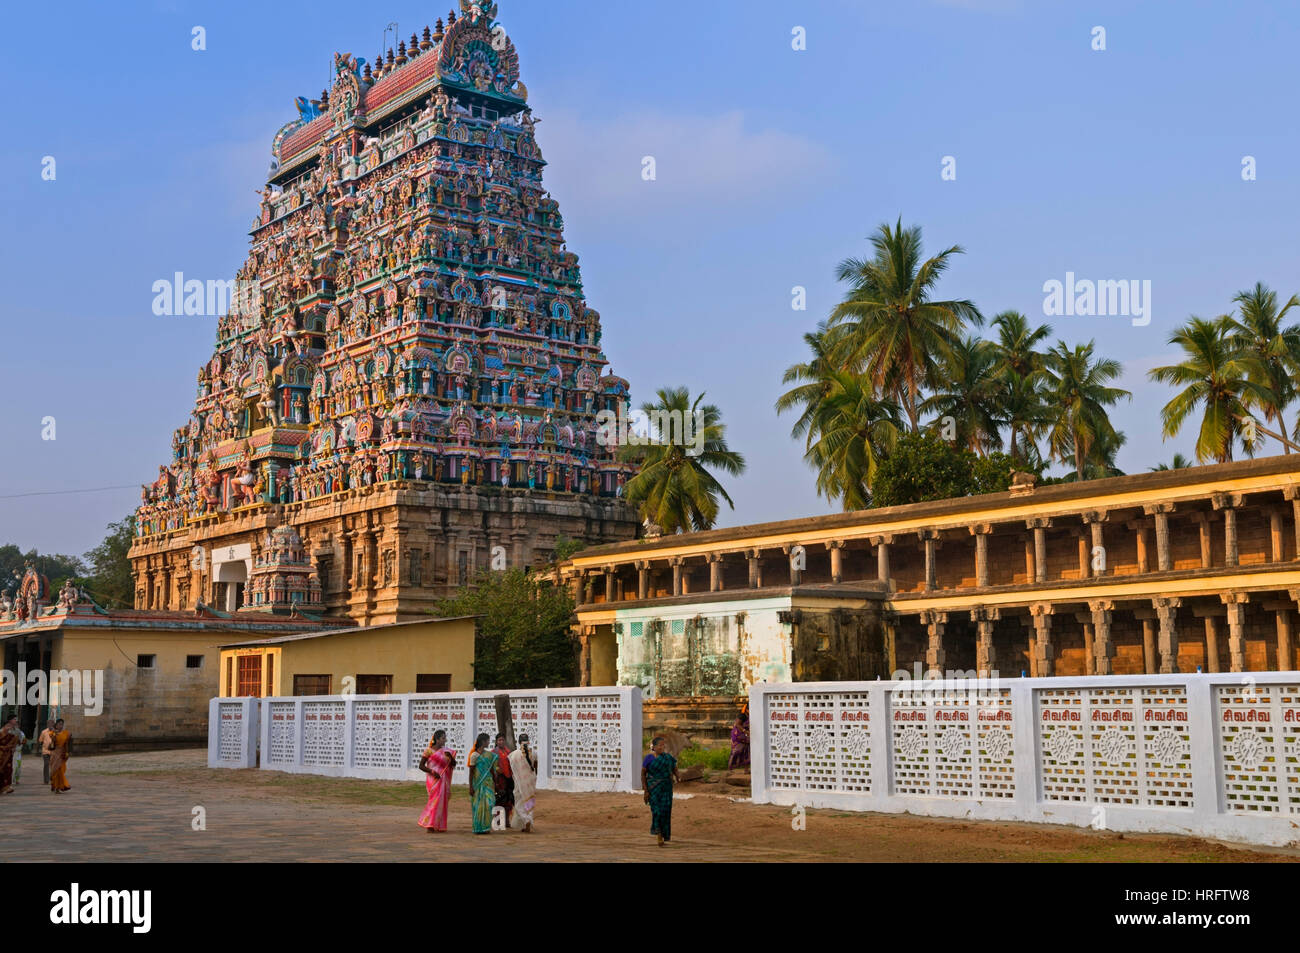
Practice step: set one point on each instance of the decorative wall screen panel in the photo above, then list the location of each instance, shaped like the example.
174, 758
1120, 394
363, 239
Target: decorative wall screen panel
820, 741
231, 743
1259, 747
283, 733
324, 724
377, 735
1214, 755
584, 739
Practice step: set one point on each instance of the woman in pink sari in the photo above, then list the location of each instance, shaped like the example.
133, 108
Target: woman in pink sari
437, 763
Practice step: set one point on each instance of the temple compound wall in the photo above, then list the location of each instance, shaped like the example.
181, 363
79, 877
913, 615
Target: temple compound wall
1170, 572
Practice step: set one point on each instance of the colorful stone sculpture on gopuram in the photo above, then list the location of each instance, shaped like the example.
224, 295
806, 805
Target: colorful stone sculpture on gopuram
408, 310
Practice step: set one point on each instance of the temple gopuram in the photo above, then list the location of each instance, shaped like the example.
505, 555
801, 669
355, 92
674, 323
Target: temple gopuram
410, 375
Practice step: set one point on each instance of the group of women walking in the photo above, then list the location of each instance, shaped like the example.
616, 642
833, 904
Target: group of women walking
498, 778
506, 780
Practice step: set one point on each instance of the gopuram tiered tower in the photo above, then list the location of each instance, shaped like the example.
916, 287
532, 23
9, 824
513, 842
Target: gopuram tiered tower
410, 377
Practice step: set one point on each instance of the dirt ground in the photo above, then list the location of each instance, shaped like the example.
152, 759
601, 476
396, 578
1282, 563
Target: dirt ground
140, 807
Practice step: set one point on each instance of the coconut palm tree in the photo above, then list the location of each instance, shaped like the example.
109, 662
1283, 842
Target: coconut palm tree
848, 434
966, 390
1017, 343
1215, 376
1180, 462
813, 379
1024, 413
1078, 395
1272, 351
893, 331
673, 487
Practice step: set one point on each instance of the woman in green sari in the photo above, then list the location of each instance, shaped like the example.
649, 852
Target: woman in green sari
658, 772
482, 784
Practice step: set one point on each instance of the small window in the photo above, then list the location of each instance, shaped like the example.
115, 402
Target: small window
374, 684
637, 629
145, 661
433, 683
194, 661
311, 684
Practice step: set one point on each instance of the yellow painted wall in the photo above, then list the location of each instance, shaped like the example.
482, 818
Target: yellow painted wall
604, 656
117, 649
403, 651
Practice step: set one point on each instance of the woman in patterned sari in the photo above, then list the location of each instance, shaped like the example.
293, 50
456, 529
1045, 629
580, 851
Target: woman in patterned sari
482, 784
437, 763
658, 772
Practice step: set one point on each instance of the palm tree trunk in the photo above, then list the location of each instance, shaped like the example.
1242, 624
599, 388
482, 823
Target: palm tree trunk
1078, 457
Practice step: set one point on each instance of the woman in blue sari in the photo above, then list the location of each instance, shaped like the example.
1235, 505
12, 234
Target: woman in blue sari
658, 772
482, 784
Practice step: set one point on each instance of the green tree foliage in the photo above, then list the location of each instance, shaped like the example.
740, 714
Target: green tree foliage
1215, 377
565, 548
892, 328
57, 568
922, 466
110, 582
523, 637
674, 487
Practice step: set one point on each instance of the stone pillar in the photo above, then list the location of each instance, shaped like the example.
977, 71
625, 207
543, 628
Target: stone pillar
1284, 640
584, 656
1094, 520
755, 569
934, 623
1285, 643
1161, 513
1084, 555
836, 548
609, 583
643, 579
1292, 493
984, 618
882, 556
1085, 622
575, 587
715, 572
1236, 605
676, 563
1103, 648
1211, 643
1203, 529
981, 534
930, 539
1139, 528
1040, 527
1166, 611
1150, 658
1043, 651
1228, 502
796, 575
1275, 533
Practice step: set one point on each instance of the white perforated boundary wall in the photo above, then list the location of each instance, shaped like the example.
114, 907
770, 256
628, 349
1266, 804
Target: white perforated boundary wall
232, 732
587, 739
1210, 755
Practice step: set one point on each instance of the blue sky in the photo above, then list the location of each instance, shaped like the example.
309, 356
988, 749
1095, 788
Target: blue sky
772, 165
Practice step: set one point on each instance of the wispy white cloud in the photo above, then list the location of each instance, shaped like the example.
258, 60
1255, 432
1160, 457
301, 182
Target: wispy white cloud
595, 165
